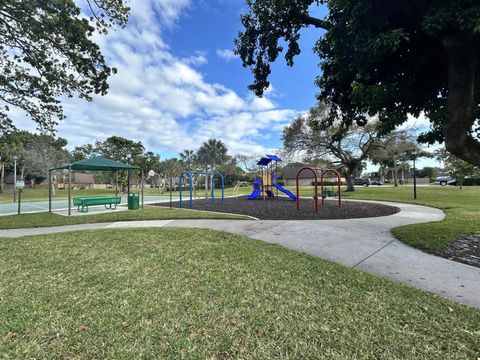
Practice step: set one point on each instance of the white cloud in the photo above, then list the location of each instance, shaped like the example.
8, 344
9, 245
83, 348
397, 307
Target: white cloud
226, 54
163, 100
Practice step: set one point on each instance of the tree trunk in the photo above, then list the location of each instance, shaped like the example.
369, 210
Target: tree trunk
350, 174
206, 178
395, 171
2, 178
462, 65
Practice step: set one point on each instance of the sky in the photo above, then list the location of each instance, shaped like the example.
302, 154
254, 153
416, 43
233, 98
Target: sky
179, 83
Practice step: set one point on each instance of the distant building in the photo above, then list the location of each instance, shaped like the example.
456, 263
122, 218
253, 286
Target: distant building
78, 180
306, 177
9, 179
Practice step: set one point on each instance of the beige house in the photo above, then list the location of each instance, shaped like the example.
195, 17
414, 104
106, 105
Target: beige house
79, 180
306, 178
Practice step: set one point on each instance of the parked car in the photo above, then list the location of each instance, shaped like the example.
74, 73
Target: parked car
376, 183
362, 182
445, 180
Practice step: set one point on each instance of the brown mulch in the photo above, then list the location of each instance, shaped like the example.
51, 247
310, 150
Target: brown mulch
465, 250
285, 209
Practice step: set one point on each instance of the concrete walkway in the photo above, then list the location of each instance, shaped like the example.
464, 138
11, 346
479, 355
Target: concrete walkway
365, 244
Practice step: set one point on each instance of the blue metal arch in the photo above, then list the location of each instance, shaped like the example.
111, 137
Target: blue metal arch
190, 176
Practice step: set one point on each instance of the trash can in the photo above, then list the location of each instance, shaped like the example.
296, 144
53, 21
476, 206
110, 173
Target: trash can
133, 201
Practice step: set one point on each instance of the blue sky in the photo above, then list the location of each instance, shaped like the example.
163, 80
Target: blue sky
179, 84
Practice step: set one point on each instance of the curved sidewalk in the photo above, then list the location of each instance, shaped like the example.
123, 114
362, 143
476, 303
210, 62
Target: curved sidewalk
366, 244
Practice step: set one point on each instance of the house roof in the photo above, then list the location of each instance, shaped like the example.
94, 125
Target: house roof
97, 164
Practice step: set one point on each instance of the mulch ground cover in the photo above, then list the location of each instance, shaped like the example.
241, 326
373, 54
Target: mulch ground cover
465, 250
284, 208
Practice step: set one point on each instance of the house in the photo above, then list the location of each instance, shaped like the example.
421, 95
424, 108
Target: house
79, 180
9, 180
306, 178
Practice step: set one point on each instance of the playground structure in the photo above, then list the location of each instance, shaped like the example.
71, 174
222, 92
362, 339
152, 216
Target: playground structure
192, 190
267, 186
238, 186
316, 172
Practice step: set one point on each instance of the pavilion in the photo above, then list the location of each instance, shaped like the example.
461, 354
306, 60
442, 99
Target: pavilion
97, 163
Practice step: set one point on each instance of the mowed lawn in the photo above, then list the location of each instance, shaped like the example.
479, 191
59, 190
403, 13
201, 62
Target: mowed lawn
461, 206
147, 213
196, 294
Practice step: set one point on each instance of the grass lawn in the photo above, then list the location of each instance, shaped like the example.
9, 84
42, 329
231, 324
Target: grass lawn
461, 206
196, 294
42, 194
147, 213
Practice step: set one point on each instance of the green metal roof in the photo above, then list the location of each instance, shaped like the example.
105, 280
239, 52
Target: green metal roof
97, 164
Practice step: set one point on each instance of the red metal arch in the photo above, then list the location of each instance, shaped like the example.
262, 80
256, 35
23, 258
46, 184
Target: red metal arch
315, 186
339, 184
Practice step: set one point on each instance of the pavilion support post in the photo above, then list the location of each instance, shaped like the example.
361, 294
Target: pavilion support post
69, 190
142, 184
116, 183
49, 191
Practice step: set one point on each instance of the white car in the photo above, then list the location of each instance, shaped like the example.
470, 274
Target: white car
445, 180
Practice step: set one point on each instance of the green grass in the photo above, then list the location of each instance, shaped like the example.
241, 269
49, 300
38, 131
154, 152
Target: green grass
147, 213
196, 294
42, 194
461, 207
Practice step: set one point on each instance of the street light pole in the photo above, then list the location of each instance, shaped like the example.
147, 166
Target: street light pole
414, 177
15, 179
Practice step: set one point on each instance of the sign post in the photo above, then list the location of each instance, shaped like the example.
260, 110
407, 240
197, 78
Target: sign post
19, 185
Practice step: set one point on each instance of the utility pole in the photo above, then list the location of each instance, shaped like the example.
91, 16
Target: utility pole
414, 176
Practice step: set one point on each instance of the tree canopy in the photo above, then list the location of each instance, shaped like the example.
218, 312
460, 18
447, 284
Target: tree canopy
47, 52
386, 58
346, 148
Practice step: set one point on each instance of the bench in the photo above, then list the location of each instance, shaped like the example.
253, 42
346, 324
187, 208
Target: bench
83, 203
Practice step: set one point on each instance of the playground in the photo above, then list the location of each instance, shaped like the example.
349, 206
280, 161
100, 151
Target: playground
283, 208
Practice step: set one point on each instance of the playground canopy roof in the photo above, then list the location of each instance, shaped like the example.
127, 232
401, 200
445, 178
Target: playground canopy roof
97, 164
264, 161
274, 157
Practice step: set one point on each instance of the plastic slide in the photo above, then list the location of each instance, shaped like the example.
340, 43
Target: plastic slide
254, 195
285, 191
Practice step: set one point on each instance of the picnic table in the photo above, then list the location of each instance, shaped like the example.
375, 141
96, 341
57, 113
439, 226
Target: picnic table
110, 202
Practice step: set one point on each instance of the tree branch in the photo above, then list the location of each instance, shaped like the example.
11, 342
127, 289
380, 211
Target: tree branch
318, 23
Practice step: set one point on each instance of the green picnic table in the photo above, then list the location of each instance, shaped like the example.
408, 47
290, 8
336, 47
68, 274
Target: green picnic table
110, 202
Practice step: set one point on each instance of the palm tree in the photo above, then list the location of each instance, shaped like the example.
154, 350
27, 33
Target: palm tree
188, 158
212, 153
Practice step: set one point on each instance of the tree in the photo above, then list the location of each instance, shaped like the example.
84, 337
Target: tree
348, 148
188, 157
120, 149
47, 52
212, 153
83, 152
456, 167
394, 151
42, 155
430, 172
387, 58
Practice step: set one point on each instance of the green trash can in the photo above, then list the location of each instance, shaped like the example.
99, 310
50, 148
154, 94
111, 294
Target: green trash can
327, 193
133, 201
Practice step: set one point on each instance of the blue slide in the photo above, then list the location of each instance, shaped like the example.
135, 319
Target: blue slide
257, 190
285, 191
254, 195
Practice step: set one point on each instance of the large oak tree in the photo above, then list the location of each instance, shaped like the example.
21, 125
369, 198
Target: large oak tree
47, 52
387, 58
